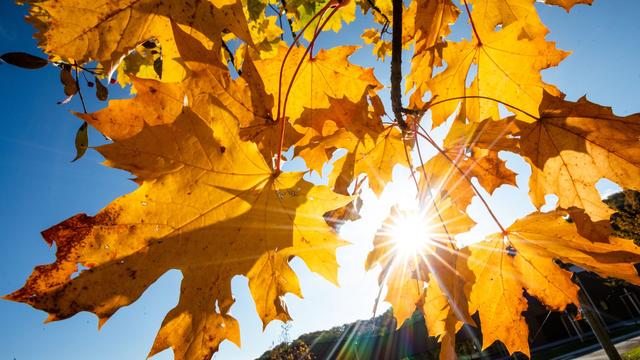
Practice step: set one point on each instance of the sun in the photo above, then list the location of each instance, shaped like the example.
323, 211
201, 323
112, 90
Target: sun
409, 235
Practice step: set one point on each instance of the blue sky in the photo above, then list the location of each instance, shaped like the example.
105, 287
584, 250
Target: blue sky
40, 187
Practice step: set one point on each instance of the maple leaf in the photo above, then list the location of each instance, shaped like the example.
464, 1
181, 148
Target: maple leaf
551, 235
329, 74
406, 274
570, 148
127, 117
85, 30
382, 10
488, 14
440, 320
524, 260
208, 205
381, 48
446, 302
372, 148
452, 170
428, 37
508, 69
304, 10
568, 4
497, 292
343, 116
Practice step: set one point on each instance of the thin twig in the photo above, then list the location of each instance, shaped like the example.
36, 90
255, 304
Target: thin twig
375, 8
279, 12
430, 105
429, 190
465, 176
413, 173
282, 116
93, 71
84, 107
396, 64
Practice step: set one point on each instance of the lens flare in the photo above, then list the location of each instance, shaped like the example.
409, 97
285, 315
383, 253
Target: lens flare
409, 235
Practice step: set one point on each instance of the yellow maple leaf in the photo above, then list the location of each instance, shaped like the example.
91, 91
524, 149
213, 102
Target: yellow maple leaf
570, 148
488, 14
106, 30
381, 48
124, 118
428, 37
328, 74
406, 273
451, 172
446, 303
208, 205
525, 260
372, 148
568, 4
551, 235
508, 71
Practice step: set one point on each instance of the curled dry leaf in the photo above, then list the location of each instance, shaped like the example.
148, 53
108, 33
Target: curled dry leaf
68, 81
24, 60
102, 93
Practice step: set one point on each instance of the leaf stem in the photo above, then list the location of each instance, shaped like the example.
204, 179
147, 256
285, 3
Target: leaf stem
282, 118
433, 200
84, 107
473, 24
466, 177
286, 55
432, 104
375, 8
316, 33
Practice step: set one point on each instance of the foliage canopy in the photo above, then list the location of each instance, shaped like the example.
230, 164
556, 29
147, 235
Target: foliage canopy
220, 96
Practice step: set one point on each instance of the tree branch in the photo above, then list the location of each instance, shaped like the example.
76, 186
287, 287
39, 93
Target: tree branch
396, 64
375, 8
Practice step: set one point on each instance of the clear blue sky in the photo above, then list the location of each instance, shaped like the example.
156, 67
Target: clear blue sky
40, 187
